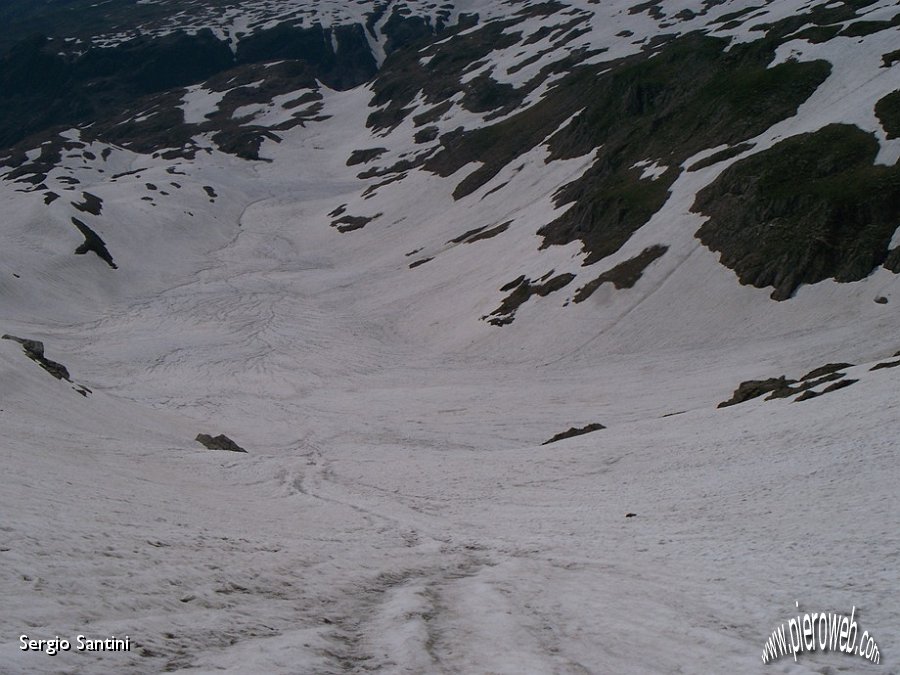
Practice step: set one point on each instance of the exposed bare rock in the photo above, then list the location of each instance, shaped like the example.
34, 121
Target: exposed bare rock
522, 290
575, 431
623, 275
220, 442
93, 243
755, 388
34, 349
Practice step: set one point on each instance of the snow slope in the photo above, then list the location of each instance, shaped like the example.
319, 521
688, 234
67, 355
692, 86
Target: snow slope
397, 510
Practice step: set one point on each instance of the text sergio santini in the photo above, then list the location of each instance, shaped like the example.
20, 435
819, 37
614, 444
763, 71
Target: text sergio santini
82, 644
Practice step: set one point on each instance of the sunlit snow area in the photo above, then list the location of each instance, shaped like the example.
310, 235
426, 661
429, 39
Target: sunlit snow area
397, 509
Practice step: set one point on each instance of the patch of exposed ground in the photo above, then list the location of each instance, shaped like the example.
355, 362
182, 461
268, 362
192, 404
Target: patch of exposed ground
720, 156
480, 233
691, 95
623, 275
575, 431
34, 350
365, 156
91, 204
93, 244
782, 387
888, 112
834, 218
350, 223
522, 289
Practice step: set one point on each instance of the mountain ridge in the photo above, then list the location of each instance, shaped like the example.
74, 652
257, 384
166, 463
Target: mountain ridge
391, 278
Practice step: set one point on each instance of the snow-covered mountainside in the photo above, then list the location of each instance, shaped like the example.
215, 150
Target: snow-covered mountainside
560, 336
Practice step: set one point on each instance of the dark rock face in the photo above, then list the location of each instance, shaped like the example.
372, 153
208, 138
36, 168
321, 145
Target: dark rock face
146, 65
782, 387
827, 369
403, 76
351, 223
419, 263
690, 96
93, 243
720, 156
30, 75
349, 66
34, 349
863, 28
665, 105
755, 388
623, 275
220, 442
575, 431
888, 112
426, 135
806, 395
480, 233
365, 156
523, 289
46, 86
43, 89
92, 204
811, 208
403, 31
885, 364
71, 18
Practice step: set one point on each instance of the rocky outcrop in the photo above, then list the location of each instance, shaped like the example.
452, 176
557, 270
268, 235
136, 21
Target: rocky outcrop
220, 442
782, 387
888, 112
813, 207
348, 66
34, 350
575, 431
521, 290
93, 244
46, 85
623, 275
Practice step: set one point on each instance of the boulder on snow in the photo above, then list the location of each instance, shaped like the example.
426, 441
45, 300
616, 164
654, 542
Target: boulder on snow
220, 442
34, 349
575, 431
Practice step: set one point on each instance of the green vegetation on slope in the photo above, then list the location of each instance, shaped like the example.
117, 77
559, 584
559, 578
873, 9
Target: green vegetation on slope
690, 96
813, 207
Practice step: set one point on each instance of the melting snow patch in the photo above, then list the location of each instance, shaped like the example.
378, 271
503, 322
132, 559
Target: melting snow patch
197, 103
